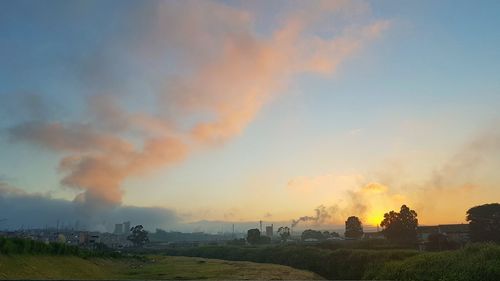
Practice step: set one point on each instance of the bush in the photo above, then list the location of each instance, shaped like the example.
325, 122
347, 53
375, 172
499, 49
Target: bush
331, 264
19, 246
474, 262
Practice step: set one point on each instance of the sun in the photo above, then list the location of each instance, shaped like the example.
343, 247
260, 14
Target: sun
374, 218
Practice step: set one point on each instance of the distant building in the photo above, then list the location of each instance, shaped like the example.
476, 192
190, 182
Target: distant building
373, 235
455, 232
126, 227
118, 228
83, 238
423, 232
270, 231
94, 239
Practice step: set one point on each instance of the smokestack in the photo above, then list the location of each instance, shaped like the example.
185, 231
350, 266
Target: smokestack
260, 226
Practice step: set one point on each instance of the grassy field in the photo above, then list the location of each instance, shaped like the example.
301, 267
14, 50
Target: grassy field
157, 267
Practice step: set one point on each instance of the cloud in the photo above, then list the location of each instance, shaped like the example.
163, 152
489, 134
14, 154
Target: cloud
28, 210
467, 177
375, 188
226, 72
330, 181
363, 200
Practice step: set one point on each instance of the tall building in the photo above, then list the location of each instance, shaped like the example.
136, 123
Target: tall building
118, 228
269, 230
126, 227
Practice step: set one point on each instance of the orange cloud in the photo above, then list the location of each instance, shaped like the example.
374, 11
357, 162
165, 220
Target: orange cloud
229, 73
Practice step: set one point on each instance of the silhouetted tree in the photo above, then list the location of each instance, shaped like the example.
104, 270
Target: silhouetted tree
264, 239
138, 236
312, 234
253, 236
353, 228
284, 233
400, 227
484, 222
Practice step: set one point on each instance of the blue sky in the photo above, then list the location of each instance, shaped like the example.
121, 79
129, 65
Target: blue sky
411, 97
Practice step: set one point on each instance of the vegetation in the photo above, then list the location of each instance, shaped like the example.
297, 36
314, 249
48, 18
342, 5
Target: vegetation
362, 244
284, 233
312, 234
484, 223
254, 237
479, 262
161, 235
400, 227
13, 246
353, 228
440, 242
474, 262
331, 264
315, 234
153, 268
138, 236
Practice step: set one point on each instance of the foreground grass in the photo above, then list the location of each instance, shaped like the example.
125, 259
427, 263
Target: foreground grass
153, 268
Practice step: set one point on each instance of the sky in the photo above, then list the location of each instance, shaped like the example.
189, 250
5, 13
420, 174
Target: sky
175, 112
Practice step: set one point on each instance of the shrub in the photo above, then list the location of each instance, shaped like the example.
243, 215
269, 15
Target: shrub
331, 264
474, 262
19, 246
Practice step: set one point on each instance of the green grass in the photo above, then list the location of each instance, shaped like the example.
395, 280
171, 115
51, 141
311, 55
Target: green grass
476, 262
152, 268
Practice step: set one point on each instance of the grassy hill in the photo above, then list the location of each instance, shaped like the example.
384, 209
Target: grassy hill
157, 267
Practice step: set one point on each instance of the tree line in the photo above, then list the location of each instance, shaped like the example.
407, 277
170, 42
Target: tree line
19, 246
401, 227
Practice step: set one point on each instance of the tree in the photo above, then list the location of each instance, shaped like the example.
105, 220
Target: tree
138, 236
353, 228
284, 233
334, 234
312, 234
400, 227
253, 236
484, 222
264, 240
